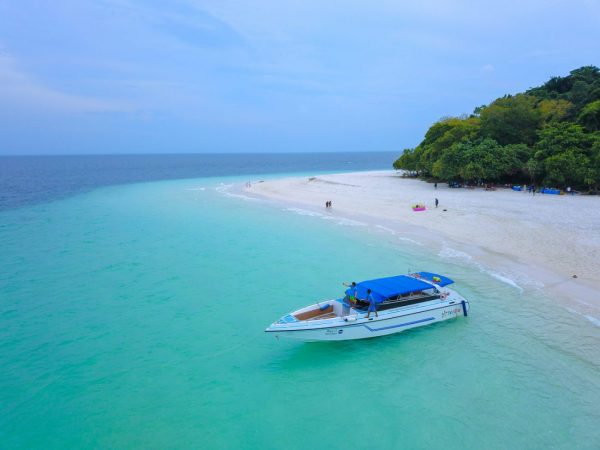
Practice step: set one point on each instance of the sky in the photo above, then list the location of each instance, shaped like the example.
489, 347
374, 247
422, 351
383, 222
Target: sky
160, 76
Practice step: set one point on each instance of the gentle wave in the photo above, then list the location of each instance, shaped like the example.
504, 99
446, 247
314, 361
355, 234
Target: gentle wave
594, 320
450, 253
389, 230
506, 280
225, 189
412, 241
304, 212
394, 233
222, 188
338, 220
347, 222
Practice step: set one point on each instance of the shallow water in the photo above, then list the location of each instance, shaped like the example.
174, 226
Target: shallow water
133, 316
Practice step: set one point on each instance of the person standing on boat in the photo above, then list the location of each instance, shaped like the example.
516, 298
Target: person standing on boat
350, 298
372, 306
353, 294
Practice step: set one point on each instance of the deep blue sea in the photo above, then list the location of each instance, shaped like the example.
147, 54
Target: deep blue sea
134, 291
32, 179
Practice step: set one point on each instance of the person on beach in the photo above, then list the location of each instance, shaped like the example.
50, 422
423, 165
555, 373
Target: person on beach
436, 202
372, 307
435, 185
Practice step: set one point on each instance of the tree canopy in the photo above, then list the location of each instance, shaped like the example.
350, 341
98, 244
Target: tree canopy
549, 134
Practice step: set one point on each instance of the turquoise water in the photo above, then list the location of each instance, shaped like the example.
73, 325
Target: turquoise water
133, 316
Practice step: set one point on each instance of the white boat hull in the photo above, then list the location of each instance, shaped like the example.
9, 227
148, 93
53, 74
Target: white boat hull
356, 325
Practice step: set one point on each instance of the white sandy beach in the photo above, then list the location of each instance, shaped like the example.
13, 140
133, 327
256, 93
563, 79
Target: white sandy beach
548, 238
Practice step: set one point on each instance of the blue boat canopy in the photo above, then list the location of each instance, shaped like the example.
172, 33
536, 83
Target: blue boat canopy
384, 288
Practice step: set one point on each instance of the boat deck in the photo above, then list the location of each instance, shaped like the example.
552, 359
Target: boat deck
326, 312
329, 315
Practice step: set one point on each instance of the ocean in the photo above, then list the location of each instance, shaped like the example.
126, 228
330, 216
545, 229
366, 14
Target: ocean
32, 179
132, 314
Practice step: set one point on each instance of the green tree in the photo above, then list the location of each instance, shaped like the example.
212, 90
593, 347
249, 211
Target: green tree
590, 116
566, 169
511, 120
580, 87
440, 137
592, 172
533, 168
551, 133
553, 110
557, 137
588, 74
449, 165
481, 161
513, 159
586, 86
473, 171
407, 161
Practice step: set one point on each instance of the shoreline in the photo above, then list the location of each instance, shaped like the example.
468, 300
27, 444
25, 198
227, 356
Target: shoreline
545, 238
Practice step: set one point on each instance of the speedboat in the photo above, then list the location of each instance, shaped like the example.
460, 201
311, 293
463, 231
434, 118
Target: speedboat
402, 302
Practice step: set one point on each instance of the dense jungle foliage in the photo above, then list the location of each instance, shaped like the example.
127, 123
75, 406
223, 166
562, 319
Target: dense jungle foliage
548, 135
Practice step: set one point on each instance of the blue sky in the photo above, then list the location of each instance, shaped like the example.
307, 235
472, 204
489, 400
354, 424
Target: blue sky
132, 76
